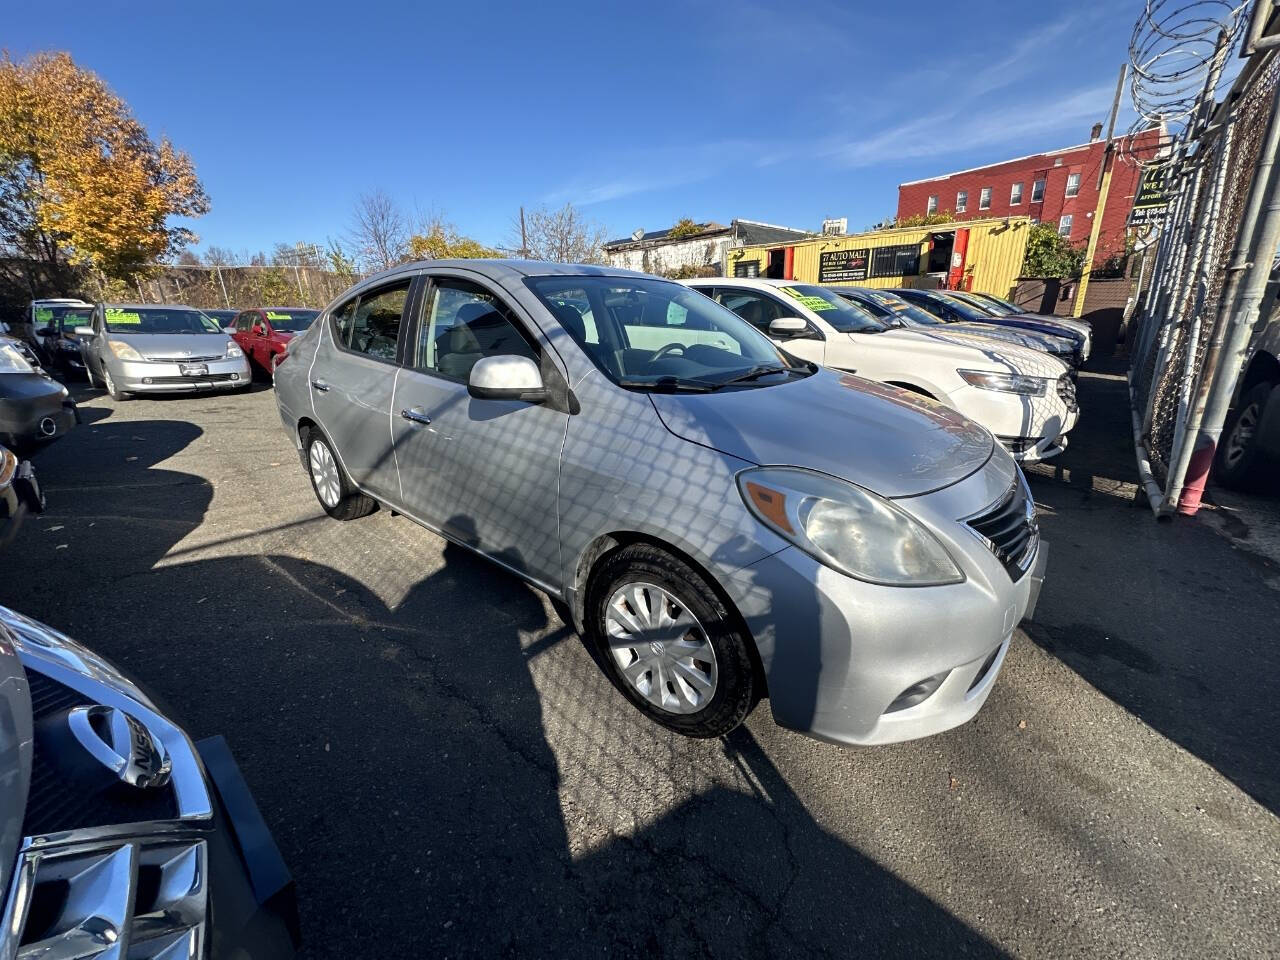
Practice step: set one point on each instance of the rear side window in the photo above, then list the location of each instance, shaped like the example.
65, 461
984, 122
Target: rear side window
371, 323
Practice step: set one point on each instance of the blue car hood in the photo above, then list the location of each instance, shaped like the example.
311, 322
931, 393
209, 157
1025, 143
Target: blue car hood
894, 443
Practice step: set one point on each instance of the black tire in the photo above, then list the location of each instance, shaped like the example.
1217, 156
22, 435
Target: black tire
347, 503
736, 689
1239, 461
109, 385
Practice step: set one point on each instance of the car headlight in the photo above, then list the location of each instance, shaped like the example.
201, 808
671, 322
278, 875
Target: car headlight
124, 351
1005, 382
846, 527
233, 350
12, 360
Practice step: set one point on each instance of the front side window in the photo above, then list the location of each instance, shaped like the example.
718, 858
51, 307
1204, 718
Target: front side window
244, 322
1015, 194
1073, 184
984, 199
151, 320
374, 326
651, 334
933, 205
1037, 191
1064, 225
462, 323
962, 201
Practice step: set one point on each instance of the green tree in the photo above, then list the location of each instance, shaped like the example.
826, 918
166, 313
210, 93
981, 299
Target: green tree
684, 227
440, 240
81, 181
1051, 255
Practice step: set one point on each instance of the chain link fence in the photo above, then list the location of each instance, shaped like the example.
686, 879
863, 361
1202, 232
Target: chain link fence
1219, 172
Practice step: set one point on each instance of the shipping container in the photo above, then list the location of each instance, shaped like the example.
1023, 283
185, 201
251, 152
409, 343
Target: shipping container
981, 255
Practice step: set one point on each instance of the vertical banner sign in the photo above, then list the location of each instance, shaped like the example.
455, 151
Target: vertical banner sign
955, 276
1152, 201
843, 266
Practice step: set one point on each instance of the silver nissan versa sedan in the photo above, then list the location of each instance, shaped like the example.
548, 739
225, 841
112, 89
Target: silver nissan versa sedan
724, 521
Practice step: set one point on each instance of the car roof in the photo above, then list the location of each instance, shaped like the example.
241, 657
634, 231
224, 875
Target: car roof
743, 282
149, 306
500, 270
59, 301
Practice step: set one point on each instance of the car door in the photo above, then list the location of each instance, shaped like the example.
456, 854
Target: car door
240, 331
483, 472
760, 309
352, 381
92, 347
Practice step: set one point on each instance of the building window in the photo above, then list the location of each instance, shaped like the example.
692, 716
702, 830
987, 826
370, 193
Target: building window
746, 268
1064, 225
1073, 184
1015, 194
1037, 191
1035, 221
933, 205
901, 261
984, 199
962, 201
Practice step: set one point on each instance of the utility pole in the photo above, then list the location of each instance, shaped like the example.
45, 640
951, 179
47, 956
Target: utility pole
225, 299
1104, 188
524, 243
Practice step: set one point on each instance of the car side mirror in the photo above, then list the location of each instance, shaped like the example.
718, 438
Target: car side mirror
506, 377
84, 331
788, 327
258, 330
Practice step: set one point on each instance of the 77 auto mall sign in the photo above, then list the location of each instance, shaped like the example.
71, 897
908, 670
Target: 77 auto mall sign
843, 266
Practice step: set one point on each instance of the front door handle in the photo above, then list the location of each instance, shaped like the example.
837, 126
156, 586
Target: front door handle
415, 415
320, 385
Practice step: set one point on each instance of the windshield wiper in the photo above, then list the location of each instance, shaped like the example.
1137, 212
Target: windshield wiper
755, 373
668, 385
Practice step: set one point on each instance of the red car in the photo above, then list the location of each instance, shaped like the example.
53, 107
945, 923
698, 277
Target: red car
265, 332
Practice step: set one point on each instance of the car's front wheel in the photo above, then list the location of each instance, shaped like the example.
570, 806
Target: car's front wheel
1239, 458
110, 384
669, 643
334, 489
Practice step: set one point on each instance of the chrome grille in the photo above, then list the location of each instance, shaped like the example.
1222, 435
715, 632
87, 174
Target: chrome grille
216, 356
1009, 529
1067, 392
145, 900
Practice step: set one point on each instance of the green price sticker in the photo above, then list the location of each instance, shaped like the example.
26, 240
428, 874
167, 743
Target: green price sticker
44, 315
123, 316
273, 315
816, 304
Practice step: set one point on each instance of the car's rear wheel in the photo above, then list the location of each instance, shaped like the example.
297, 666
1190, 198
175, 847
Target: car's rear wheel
669, 643
1238, 454
334, 489
110, 384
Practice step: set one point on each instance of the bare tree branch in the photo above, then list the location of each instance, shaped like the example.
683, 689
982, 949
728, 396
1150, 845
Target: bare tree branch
379, 231
563, 235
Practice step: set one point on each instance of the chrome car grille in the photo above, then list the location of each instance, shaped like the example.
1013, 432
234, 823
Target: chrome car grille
1067, 392
216, 356
1009, 530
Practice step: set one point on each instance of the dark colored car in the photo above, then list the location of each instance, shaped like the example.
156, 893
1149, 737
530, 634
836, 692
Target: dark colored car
264, 332
33, 406
224, 317
54, 333
954, 309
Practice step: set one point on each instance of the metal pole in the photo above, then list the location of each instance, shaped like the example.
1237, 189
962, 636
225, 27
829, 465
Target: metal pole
1246, 286
524, 243
1104, 190
225, 299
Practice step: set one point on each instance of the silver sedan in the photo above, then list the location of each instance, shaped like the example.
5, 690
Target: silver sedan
724, 521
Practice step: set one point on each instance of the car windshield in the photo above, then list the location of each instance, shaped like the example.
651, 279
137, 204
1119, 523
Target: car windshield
159, 320
1005, 307
982, 303
291, 321
662, 336
220, 316
835, 309
898, 308
967, 311
62, 319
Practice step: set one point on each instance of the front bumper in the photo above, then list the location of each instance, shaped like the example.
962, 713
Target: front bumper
841, 656
1030, 428
150, 376
33, 407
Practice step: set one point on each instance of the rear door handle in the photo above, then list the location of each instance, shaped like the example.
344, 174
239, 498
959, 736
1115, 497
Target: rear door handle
320, 385
415, 415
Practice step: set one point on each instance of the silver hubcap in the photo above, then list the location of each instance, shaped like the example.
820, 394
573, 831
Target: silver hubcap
1242, 434
324, 473
661, 648
106, 376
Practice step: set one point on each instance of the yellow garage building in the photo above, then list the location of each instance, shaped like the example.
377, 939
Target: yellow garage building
981, 255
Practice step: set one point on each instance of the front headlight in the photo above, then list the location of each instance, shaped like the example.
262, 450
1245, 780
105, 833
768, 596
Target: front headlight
1005, 382
124, 351
846, 527
233, 350
12, 360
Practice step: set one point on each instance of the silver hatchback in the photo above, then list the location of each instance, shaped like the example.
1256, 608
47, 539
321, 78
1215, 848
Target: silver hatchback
724, 521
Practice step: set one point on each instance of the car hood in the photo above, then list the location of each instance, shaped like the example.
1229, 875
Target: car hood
175, 344
980, 352
894, 443
15, 753
1022, 338
1054, 326
1071, 323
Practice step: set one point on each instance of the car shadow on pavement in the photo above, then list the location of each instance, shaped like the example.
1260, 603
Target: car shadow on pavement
405, 736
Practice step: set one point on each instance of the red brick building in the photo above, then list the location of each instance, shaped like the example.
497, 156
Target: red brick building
1059, 186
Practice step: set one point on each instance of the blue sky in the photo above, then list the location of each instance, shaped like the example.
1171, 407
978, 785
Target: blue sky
640, 113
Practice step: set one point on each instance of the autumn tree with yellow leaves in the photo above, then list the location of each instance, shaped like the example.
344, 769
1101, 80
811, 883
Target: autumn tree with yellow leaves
81, 181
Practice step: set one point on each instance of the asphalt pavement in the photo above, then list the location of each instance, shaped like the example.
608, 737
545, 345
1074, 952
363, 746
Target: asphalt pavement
448, 774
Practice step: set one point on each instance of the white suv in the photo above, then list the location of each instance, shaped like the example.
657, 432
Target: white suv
1025, 397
